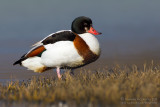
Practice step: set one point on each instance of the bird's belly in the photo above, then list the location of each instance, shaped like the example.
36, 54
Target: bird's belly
61, 54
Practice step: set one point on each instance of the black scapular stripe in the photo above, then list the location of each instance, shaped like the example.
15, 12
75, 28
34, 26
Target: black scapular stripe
60, 36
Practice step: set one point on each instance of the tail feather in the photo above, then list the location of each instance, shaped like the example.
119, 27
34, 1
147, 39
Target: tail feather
35, 51
20, 60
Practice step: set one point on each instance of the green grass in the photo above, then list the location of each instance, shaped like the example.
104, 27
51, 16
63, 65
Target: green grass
119, 85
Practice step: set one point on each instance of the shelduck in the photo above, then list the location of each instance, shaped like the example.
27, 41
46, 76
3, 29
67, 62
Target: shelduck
64, 49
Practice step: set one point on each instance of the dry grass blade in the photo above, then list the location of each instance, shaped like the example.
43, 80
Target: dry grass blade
116, 86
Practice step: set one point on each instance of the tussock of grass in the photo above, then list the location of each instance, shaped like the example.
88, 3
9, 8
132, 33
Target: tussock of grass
107, 86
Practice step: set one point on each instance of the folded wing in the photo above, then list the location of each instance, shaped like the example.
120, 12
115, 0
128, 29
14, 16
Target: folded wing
64, 35
38, 49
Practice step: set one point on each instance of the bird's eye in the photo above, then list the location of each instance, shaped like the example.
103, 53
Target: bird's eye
85, 24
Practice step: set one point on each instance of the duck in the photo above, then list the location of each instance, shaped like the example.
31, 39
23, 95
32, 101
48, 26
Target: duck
65, 49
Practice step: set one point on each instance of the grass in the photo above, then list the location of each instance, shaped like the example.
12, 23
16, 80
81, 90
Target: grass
119, 85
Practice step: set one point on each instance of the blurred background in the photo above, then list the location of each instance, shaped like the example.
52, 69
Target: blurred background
130, 29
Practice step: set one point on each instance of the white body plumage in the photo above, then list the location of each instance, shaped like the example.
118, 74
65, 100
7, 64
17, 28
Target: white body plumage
62, 53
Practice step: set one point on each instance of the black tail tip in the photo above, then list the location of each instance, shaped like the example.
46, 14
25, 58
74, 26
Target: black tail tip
17, 62
14, 63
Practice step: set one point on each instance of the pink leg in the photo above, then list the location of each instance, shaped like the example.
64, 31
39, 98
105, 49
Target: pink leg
58, 73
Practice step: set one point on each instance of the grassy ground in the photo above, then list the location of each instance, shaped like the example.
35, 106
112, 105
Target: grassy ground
118, 85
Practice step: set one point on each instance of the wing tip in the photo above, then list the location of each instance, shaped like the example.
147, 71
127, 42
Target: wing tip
19, 61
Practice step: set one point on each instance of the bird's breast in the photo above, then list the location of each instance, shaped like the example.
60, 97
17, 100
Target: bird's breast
89, 51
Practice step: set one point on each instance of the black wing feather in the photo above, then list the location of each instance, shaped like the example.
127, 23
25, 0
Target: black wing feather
60, 36
20, 60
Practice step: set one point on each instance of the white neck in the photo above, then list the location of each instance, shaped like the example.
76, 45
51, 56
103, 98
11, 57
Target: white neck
92, 42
